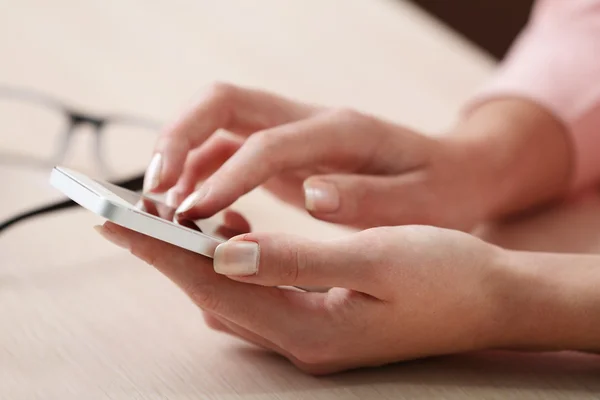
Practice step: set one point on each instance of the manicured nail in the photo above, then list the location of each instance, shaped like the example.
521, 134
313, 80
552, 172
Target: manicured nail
111, 236
321, 196
152, 177
172, 198
237, 258
192, 200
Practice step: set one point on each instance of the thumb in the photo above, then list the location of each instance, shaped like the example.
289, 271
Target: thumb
288, 260
357, 200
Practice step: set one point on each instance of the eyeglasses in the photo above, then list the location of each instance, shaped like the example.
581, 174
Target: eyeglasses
39, 131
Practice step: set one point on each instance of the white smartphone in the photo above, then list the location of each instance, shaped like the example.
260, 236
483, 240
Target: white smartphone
137, 212
142, 214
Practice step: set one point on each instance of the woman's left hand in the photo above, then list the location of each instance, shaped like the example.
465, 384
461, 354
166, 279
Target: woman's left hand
398, 293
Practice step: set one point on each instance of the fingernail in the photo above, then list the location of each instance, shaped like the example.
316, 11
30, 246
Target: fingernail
321, 196
192, 200
111, 236
237, 258
171, 198
152, 177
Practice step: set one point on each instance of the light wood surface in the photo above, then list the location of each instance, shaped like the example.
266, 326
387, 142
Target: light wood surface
80, 318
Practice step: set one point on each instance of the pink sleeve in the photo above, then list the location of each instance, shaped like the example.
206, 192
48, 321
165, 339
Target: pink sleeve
555, 62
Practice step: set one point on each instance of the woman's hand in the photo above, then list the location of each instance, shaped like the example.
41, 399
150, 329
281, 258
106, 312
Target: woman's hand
355, 169
399, 293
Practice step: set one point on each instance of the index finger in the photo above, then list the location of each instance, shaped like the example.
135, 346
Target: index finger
271, 312
221, 106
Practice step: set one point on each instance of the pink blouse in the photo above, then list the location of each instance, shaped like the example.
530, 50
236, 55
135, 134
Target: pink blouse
556, 63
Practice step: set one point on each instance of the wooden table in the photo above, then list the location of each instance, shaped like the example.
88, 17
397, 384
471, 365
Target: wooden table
80, 318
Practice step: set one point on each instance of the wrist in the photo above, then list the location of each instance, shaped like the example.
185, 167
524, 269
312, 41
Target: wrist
548, 302
524, 154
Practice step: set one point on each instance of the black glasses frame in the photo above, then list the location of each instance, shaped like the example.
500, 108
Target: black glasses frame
75, 118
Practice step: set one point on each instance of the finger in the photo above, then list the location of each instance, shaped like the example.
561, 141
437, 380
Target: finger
221, 106
234, 220
330, 139
174, 197
148, 206
234, 224
281, 259
363, 201
200, 164
227, 233
287, 187
227, 327
214, 323
271, 312
223, 325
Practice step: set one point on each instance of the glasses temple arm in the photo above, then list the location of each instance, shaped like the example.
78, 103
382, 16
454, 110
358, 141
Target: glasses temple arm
135, 184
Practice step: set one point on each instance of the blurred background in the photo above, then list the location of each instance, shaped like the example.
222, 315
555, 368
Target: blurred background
491, 25
88, 84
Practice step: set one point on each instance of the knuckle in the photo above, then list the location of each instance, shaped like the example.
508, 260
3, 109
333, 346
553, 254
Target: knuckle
299, 264
358, 122
265, 145
148, 254
263, 140
348, 115
289, 263
381, 245
220, 91
312, 356
203, 296
212, 322
287, 273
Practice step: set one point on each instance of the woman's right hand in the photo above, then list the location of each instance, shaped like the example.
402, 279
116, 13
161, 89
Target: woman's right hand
354, 169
